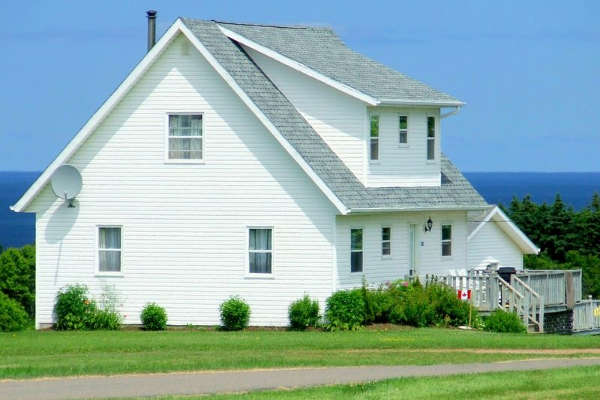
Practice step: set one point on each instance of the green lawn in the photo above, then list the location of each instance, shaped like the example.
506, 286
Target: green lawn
49, 353
574, 383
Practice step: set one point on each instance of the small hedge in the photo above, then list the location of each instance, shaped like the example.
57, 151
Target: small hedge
154, 317
399, 303
12, 315
345, 310
235, 314
304, 313
76, 311
504, 322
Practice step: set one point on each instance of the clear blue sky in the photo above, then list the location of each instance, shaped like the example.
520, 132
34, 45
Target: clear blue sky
529, 71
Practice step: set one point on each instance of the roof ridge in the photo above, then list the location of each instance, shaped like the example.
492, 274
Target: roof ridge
266, 25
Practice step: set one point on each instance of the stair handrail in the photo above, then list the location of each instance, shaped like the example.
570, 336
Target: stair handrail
540, 305
503, 282
515, 300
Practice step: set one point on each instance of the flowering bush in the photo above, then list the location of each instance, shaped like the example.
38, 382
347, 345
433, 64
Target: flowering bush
73, 309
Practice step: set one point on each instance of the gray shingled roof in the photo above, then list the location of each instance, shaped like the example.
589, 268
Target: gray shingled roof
323, 51
455, 191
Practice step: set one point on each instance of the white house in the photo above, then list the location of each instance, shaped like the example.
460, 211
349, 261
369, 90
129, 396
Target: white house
260, 161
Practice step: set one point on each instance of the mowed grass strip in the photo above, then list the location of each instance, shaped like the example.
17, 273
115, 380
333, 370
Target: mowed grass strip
50, 353
572, 383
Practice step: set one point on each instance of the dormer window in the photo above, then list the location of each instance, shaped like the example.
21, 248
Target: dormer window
403, 129
374, 134
430, 138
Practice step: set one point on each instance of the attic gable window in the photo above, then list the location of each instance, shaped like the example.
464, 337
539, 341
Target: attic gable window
430, 138
185, 137
374, 135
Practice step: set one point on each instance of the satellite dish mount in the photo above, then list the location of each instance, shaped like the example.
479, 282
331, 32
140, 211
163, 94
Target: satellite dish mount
66, 184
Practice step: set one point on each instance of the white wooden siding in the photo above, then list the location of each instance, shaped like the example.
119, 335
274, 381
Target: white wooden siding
185, 225
378, 269
405, 164
491, 241
337, 117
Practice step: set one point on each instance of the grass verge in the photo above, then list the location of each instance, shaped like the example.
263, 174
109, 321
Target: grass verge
568, 383
49, 353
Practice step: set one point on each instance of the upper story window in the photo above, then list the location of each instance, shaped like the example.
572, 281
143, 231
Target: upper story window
446, 240
386, 241
356, 250
185, 137
403, 129
431, 138
374, 135
260, 250
109, 249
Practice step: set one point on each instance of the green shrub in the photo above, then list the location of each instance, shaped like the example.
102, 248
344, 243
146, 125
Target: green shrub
17, 276
304, 313
235, 314
413, 306
73, 309
345, 310
446, 307
106, 319
12, 315
154, 317
378, 305
505, 322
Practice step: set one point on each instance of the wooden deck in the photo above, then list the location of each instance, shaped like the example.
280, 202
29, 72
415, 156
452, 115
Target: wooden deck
531, 294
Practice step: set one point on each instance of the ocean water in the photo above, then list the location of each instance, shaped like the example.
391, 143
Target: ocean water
576, 189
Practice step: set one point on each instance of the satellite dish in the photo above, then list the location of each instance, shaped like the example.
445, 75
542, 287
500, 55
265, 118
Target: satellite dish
66, 183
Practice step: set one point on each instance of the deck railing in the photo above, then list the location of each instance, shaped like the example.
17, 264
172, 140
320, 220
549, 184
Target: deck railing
554, 285
586, 315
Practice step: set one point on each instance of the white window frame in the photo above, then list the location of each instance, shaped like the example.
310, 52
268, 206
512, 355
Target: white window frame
400, 130
442, 240
98, 249
168, 160
386, 241
374, 160
260, 275
355, 251
433, 139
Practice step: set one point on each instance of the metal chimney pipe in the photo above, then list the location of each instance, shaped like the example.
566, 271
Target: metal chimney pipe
151, 28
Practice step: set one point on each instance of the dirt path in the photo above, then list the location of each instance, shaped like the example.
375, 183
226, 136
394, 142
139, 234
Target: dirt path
96, 387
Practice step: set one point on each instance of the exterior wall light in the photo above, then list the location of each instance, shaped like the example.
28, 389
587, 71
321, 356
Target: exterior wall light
428, 225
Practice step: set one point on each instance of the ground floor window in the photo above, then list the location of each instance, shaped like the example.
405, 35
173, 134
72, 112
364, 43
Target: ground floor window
386, 241
109, 249
446, 240
356, 250
260, 250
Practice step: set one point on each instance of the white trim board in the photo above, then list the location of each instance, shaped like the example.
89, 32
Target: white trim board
300, 67
329, 81
177, 27
509, 228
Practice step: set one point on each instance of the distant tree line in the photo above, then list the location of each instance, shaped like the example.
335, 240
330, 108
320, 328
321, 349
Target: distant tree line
568, 239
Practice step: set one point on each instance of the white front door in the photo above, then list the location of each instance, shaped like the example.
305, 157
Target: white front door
412, 255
